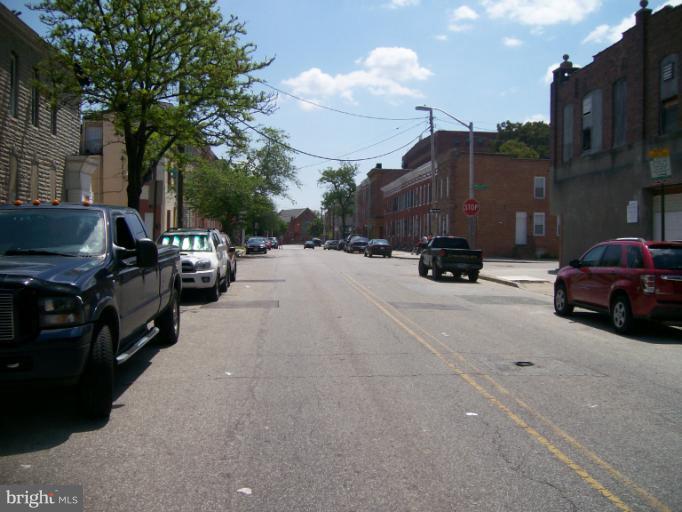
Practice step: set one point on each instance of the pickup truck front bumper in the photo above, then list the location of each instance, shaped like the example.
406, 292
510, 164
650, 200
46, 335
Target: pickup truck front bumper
54, 356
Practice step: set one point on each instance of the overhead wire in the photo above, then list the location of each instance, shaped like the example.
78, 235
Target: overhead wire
322, 157
339, 111
367, 147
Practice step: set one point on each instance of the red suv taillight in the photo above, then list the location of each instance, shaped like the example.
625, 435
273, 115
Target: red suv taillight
648, 284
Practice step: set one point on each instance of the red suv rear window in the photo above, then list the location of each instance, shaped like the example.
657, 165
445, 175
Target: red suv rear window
669, 258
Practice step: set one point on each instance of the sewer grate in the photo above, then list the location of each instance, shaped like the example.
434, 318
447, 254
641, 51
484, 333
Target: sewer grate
243, 304
425, 306
503, 300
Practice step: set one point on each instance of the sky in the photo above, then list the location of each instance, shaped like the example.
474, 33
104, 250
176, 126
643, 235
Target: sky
340, 64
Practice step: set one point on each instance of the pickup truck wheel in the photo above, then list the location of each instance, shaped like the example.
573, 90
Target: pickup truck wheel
621, 315
437, 272
96, 387
473, 276
214, 293
561, 305
423, 270
169, 321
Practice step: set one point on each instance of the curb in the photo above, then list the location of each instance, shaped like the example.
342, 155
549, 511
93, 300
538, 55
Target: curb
498, 280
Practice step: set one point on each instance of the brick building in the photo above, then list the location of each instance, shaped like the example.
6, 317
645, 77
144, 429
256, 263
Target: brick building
35, 140
369, 201
606, 119
298, 221
514, 219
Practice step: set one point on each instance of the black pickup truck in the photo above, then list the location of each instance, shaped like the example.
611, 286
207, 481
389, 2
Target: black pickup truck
450, 254
82, 288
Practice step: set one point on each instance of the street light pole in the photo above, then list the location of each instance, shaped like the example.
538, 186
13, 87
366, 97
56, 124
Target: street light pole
470, 127
433, 166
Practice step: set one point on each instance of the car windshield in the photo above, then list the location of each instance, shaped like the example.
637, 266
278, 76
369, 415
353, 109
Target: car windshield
381, 242
668, 258
52, 232
188, 241
356, 239
450, 243
255, 241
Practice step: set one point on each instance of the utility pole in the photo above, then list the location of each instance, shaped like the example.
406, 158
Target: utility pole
433, 167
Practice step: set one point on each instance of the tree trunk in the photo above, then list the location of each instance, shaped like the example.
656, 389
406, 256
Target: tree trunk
179, 202
134, 189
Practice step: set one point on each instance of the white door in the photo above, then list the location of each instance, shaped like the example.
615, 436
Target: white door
673, 217
521, 228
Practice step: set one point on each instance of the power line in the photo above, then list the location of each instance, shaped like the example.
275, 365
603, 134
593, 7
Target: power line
339, 111
300, 151
367, 147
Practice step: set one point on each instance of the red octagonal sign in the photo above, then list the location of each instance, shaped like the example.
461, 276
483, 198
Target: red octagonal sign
471, 207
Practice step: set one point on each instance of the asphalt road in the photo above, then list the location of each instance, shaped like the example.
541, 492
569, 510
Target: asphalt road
324, 381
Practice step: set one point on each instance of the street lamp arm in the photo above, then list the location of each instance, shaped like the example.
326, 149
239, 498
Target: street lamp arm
467, 125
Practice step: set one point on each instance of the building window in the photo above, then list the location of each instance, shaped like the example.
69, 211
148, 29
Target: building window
591, 122
669, 94
53, 119
567, 142
539, 187
13, 189
538, 224
619, 112
35, 100
14, 85
35, 175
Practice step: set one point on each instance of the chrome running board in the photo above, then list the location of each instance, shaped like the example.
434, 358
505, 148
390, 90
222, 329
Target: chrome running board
124, 356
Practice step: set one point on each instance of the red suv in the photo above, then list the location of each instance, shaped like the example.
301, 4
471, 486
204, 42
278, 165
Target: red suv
628, 278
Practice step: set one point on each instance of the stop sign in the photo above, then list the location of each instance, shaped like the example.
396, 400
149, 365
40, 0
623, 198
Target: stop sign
471, 207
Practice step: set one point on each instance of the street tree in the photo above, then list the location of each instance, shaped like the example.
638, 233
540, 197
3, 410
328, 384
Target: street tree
272, 160
171, 72
533, 134
518, 149
316, 226
340, 185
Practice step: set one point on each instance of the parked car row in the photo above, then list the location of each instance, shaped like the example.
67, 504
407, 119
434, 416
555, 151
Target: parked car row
261, 244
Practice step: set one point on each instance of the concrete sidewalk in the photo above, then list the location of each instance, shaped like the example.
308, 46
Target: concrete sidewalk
508, 271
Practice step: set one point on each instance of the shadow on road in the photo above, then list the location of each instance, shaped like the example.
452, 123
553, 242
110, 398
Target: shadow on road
38, 419
645, 331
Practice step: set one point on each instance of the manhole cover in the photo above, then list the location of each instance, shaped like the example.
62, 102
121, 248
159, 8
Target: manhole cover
244, 304
524, 363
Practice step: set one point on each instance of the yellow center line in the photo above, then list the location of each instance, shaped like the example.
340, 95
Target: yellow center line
537, 436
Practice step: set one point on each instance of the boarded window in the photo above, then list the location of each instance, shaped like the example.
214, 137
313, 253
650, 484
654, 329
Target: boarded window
669, 95
35, 100
567, 142
592, 122
14, 85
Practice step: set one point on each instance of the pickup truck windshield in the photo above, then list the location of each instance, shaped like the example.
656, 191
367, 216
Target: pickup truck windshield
54, 233
450, 243
187, 242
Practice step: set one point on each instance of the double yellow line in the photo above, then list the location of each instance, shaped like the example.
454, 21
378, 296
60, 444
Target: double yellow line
429, 341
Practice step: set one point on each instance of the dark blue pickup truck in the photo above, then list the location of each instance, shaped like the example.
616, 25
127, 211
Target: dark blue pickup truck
82, 288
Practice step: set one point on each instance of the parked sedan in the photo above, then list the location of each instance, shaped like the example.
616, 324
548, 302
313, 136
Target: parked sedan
378, 247
256, 245
356, 244
627, 278
309, 244
331, 244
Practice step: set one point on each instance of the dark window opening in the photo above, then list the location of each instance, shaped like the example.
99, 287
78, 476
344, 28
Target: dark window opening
669, 116
14, 85
35, 100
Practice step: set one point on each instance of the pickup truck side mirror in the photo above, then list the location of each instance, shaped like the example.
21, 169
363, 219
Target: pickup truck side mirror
574, 263
147, 253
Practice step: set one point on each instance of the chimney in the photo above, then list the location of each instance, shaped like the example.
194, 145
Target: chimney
378, 165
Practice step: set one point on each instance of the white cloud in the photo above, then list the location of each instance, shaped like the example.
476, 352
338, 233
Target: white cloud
541, 12
549, 75
537, 117
398, 4
607, 34
512, 42
384, 72
462, 13
671, 3
441, 37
